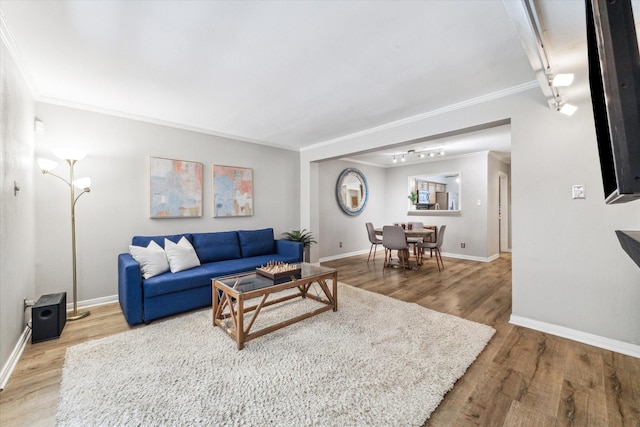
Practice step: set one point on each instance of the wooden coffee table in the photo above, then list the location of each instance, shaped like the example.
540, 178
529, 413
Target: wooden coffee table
230, 293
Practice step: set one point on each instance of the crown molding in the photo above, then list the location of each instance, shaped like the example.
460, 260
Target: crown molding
137, 117
429, 114
6, 35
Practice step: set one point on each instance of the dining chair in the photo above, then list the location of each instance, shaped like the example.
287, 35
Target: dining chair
375, 241
434, 247
394, 239
413, 241
416, 225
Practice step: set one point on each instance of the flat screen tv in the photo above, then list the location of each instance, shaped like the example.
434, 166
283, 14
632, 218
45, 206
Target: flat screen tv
614, 79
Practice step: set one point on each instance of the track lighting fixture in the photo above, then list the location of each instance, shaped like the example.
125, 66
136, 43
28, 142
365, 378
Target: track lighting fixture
566, 108
561, 80
403, 156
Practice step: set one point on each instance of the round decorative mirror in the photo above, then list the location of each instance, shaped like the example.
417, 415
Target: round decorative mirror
352, 191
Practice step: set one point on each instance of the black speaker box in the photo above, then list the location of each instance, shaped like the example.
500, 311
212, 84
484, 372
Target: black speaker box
48, 317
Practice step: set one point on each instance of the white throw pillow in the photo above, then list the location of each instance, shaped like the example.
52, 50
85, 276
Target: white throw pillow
152, 259
181, 255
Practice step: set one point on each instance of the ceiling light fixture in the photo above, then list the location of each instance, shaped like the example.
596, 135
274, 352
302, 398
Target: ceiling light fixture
403, 156
544, 68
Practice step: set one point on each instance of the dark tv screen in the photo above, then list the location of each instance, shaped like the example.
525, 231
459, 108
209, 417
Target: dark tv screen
614, 79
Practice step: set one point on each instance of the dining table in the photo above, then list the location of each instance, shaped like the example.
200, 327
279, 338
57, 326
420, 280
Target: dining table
413, 233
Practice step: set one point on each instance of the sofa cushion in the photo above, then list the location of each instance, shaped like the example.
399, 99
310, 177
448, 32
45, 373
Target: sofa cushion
218, 246
256, 242
168, 283
181, 255
152, 259
201, 276
144, 240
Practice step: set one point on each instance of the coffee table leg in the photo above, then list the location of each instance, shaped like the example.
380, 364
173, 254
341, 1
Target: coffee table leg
240, 323
214, 295
335, 291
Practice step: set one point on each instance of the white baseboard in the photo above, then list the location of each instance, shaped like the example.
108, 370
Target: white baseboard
444, 254
348, 254
8, 367
583, 337
471, 258
93, 302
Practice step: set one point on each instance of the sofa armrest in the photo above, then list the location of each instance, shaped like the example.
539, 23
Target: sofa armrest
290, 249
130, 289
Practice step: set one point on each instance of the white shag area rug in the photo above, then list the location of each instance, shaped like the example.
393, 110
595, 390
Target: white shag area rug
376, 361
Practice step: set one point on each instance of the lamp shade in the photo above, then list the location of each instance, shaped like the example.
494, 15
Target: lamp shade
69, 154
47, 164
82, 183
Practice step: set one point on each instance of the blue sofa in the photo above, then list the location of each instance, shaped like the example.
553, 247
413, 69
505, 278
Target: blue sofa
220, 254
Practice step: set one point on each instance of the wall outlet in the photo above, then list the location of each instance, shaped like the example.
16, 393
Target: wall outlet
340, 244
26, 303
463, 245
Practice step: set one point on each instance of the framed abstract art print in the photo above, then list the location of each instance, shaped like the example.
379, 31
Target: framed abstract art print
232, 191
176, 188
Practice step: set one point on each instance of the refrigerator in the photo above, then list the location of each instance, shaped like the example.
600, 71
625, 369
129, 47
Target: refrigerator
447, 200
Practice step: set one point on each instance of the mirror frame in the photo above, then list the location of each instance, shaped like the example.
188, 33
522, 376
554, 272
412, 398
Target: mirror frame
363, 184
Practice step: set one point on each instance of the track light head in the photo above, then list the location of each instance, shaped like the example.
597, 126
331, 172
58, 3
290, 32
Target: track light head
561, 80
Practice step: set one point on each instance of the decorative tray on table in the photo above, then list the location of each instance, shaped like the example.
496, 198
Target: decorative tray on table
277, 271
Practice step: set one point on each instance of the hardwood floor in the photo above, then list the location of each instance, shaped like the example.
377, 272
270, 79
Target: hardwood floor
522, 378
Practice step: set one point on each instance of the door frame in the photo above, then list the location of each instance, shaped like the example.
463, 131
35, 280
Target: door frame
503, 212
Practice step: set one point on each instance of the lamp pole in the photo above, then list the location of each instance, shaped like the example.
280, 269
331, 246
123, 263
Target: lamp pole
75, 315
84, 185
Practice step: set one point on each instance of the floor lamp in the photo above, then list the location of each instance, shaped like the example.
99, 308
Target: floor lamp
84, 184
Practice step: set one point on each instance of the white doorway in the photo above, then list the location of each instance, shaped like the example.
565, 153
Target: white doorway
503, 212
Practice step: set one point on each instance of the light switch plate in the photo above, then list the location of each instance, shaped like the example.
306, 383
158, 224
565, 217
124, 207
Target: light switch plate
578, 192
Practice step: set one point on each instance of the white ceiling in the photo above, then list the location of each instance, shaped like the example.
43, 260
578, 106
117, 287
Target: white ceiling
284, 73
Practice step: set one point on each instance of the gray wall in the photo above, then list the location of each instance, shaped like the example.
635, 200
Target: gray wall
568, 267
334, 225
388, 203
16, 212
117, 207
470, 225
569, 271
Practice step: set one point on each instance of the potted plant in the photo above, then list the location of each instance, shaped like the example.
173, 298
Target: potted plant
413, 196
303, 236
